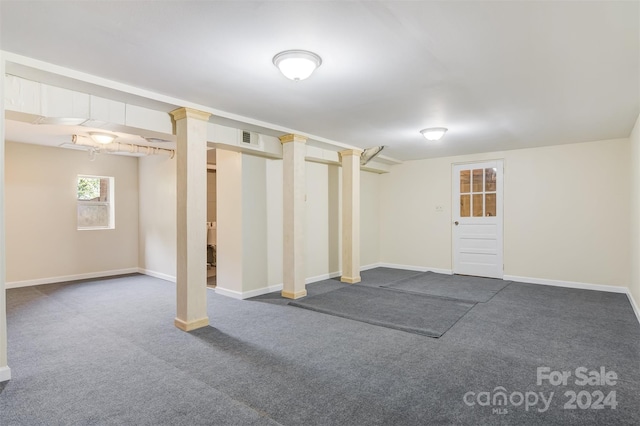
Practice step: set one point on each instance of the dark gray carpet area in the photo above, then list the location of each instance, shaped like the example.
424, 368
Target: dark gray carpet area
382, 276
414, 313
473, 289
107, 352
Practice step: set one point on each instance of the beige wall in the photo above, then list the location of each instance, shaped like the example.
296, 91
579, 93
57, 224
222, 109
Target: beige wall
211, 195
157, 222
566, 212
369, 218
259, 220
229, 243
249, 200
255, 273
323, 219
275, 231
42, 237
412, 233
5, 372
254, 186
634, 285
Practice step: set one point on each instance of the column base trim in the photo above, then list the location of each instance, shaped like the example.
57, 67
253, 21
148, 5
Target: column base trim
5, 374
191, 325
350, 280
291, 295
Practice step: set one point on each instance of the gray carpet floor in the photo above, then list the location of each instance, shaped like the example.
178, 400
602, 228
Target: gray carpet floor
413, 313
106, 352
472, 289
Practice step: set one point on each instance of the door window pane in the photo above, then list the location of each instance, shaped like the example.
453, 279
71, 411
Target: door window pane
490, 204
465, 181
477, 205
490, 179
465, 205
477, 180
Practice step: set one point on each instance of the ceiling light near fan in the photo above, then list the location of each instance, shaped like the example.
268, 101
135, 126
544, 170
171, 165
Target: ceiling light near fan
434, 133
297, 65
103, 138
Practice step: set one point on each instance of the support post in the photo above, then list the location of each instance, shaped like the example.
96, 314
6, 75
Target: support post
350, 215
191, 154
294, 216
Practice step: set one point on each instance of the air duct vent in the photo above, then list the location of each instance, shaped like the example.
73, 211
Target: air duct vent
246, 137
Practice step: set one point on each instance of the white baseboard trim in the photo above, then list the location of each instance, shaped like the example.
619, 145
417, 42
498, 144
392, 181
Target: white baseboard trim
634, 305
371, 266
581, 286
322, 277
65, 278
5, 374
416, 268
278, 287
155, 274
337, 274
568, 284
247, 294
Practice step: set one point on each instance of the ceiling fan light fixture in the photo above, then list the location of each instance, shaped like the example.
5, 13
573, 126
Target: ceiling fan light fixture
102, 138
297, 65
434, 133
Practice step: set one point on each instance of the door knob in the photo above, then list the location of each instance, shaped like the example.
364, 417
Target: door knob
455, 223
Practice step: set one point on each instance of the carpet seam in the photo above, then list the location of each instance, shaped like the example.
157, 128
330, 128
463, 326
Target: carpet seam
494, 295
438, 296
387, 286
372, 322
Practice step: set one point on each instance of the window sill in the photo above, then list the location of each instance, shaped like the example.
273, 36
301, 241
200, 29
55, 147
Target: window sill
97, 228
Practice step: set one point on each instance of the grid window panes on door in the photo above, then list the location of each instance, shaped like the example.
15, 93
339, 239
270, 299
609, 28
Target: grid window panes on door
95, 202
478, 192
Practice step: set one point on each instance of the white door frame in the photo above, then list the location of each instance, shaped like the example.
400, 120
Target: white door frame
472, 238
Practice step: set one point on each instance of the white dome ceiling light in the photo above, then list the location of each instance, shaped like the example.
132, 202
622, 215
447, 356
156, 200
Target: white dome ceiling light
103, 138
434, 133
297, 65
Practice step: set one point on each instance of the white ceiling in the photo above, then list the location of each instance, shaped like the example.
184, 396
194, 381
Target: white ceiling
499, 75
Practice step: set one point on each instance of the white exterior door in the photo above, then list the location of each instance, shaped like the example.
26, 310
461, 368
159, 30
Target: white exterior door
477, 219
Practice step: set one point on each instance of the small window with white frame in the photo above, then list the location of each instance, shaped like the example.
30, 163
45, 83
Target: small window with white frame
95, 202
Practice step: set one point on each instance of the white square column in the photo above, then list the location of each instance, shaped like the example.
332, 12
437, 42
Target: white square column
350, 215
294, 216
191, 154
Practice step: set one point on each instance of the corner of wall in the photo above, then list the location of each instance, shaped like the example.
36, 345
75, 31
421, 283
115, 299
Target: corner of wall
634, 282
157, 216
634, 305
5, 372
